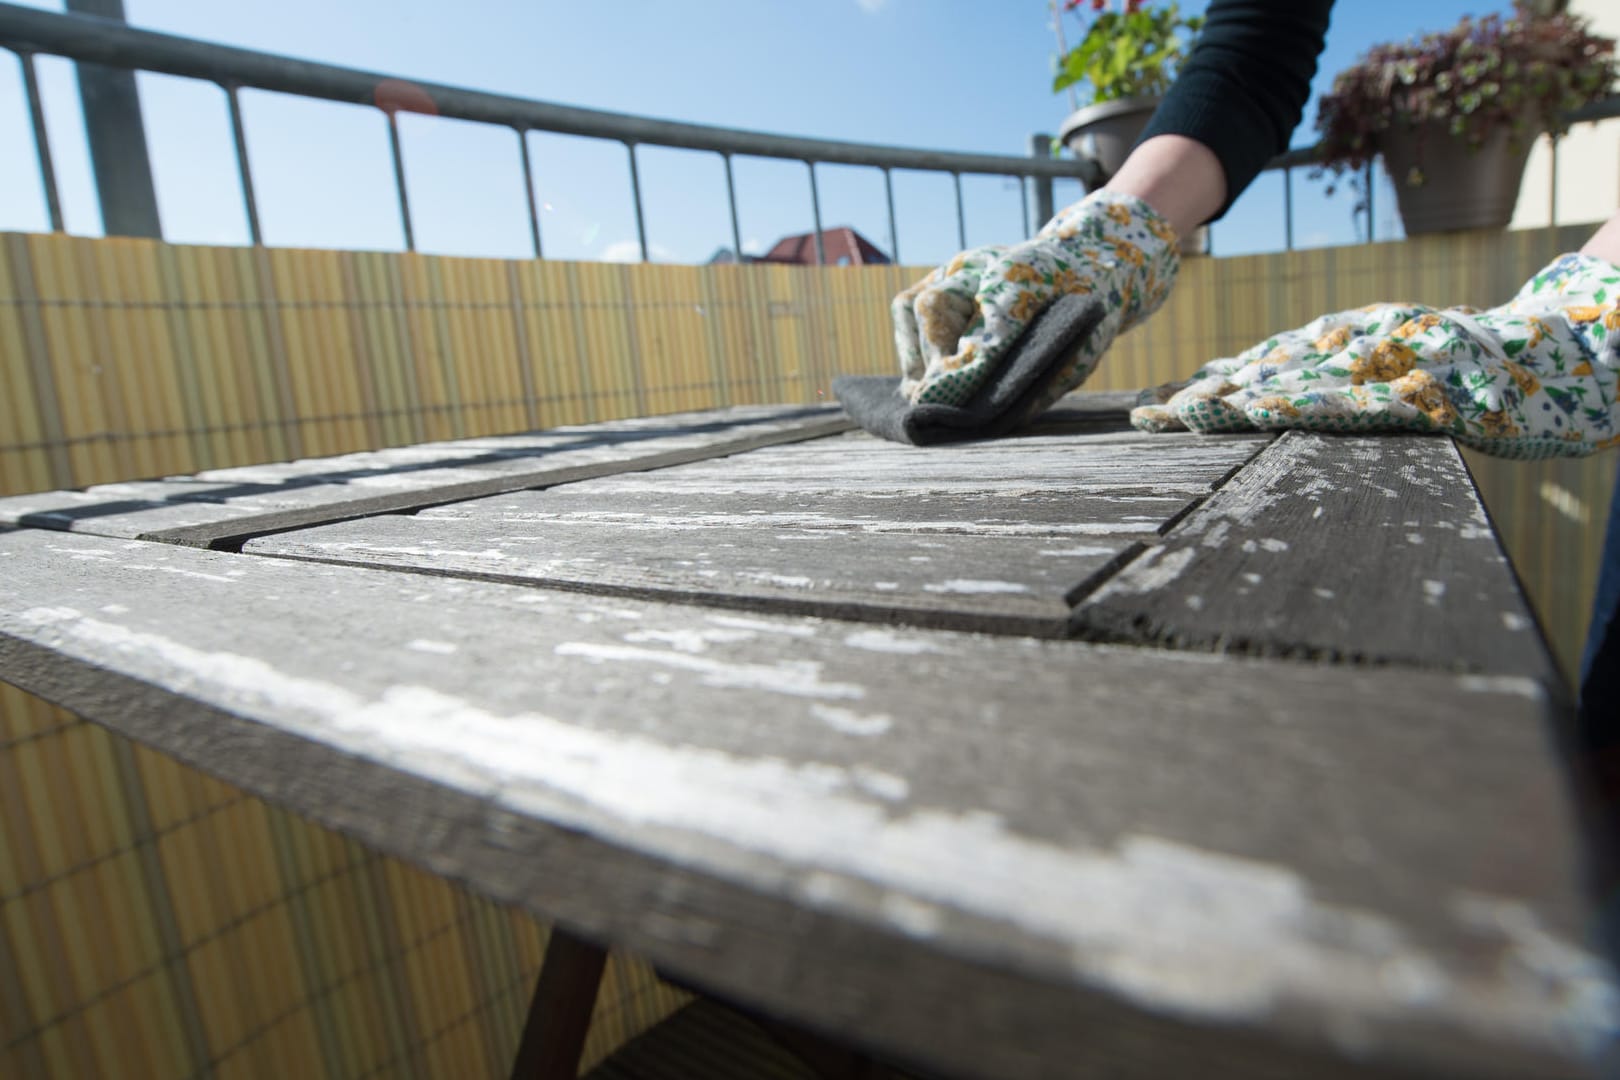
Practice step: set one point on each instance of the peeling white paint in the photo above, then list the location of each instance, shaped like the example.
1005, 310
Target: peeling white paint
801, 678
1324, 594
787, 581
1195, 603
437, 648
849, 722
762, 626
911, 917
1082, 551
1172, 927
1502, 684
890, 642
1512, 620
688, 640
975, 586
1155, 570
1433, 592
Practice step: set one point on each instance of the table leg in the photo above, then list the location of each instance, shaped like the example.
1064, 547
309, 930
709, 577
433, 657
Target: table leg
560, 1013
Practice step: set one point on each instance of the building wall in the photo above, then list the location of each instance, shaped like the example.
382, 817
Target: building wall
155, 923
1587, 159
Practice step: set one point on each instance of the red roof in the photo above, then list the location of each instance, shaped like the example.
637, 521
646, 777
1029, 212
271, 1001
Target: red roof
843, 246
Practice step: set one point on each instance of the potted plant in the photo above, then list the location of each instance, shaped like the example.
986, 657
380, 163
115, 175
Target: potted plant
1454, 113
1126, 59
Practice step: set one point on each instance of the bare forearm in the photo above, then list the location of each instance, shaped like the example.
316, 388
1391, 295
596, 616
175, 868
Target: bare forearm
1179, 177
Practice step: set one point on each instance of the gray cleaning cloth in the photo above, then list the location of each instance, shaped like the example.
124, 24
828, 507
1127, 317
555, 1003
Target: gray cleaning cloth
998, 406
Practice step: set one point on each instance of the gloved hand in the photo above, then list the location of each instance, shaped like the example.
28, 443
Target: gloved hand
954, 327
1533, 378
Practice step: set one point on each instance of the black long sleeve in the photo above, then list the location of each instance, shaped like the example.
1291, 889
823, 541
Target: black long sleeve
1244, 88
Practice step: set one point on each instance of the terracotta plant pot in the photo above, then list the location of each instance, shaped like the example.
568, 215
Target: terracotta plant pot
1462, 188
1106, 132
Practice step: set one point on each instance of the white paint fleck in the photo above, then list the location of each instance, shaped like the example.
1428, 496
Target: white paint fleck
689, 640
1083, 551
1324, 594
1414, 538
115, 609
1252, 578
975, 586
1155, 570
885, 586
737, 622
889, 642
1502, 684
885, 785
437, 648
1514, 621
849, 722
1274, 546
1316, 513
920, 558
911, 917
801, 678
787, 581
1433, 592
1195, 603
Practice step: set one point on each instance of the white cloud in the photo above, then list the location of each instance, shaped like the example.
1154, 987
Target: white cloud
626, 251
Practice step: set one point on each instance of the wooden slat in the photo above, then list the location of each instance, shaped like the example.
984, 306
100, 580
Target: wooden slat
1368, 549
995, 857
975, 537
998, 583
223, 506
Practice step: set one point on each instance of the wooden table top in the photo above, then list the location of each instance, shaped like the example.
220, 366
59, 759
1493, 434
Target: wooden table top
1081, 753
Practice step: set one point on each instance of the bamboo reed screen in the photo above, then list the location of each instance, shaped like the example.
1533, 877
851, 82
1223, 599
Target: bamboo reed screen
154, 922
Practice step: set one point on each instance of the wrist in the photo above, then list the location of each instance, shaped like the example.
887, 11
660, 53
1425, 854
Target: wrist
1180, 178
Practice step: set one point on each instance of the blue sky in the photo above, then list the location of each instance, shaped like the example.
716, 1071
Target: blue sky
948, 74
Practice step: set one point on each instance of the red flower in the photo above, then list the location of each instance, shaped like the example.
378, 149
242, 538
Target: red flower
1098, 5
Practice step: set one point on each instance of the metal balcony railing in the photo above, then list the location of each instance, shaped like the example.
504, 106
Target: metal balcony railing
28, 32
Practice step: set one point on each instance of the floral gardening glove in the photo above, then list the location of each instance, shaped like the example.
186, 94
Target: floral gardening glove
1533, 378
954, 328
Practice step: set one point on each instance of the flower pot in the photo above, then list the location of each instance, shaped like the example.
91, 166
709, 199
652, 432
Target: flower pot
1106, 132
1463, 187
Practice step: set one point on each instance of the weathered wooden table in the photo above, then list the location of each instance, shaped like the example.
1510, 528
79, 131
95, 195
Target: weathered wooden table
1081, 753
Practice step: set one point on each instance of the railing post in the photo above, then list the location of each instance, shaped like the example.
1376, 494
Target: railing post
635, 196
894, 228
1040, 146
731, 201
244, 171
961, 216
1288, 208
815, 213
42, 141
528, 192
117, 136
399, 180
1023, 199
